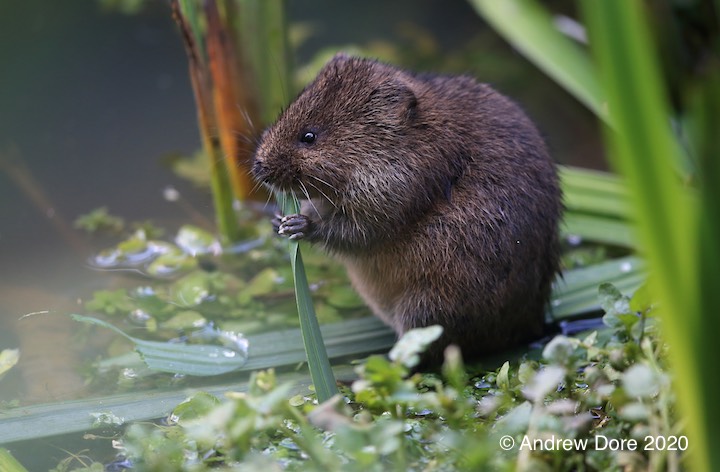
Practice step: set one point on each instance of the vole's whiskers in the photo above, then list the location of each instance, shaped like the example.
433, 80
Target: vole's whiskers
267, 200
320, 190
307, 194
324, 182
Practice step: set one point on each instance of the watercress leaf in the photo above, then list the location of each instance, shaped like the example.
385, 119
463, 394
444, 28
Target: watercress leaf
612, 301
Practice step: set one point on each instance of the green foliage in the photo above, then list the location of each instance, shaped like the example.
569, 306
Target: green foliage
99, 220
604, 385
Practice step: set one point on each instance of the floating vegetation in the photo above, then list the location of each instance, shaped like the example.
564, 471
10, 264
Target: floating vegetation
604, 391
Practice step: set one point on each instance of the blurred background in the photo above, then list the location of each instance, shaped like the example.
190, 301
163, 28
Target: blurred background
93, 100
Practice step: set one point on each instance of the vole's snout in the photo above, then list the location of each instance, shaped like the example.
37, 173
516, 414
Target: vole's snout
258, 169
269, 172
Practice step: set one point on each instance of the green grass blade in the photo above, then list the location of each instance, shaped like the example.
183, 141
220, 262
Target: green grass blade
597, 207
525, 25
8, 463
318, 362
644, 151
39, 421
589, 191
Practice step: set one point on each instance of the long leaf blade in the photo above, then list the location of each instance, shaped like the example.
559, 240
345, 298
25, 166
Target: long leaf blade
318, 362
530, 29
644, 151
177, 358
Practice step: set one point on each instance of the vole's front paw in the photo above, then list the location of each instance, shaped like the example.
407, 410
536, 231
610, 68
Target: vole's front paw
295, 227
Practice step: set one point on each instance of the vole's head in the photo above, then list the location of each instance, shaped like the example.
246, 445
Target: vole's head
346, 138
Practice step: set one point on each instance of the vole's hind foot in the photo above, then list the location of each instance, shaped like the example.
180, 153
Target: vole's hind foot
295, 227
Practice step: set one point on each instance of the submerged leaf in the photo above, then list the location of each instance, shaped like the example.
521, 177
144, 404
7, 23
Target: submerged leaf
186, 359
196, 241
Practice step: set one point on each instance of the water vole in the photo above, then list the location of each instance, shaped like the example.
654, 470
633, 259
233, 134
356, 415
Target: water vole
436, 192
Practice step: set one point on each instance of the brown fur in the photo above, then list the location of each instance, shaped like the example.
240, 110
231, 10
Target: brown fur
436, 192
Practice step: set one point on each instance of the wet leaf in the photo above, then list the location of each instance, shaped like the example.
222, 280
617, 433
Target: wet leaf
545, 382
559, 350
414, 342
8, 359
641, 381
191, 290
185, 320
503, 376
110, 302
198, 405
641, 300
196, 241
612, 301
263, 283
100, 220
187, 359
171, 264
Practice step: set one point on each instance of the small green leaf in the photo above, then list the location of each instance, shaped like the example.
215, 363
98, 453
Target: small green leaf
503, 376
196, 241
545, 382
641, 301
612, 301
413, 343
8, 359
559, 350
110, 302
185, 320
198, 405
641, 381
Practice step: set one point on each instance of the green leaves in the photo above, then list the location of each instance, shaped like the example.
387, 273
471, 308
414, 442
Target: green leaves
186, 359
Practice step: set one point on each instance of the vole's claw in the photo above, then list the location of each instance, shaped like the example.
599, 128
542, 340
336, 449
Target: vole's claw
295, 227
276, 221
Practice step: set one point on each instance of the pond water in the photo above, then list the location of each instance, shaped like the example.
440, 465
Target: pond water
91, 101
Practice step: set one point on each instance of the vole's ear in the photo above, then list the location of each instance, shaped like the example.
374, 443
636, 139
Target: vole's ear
395, 99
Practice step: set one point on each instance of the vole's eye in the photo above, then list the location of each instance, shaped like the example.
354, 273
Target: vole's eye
308, 137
